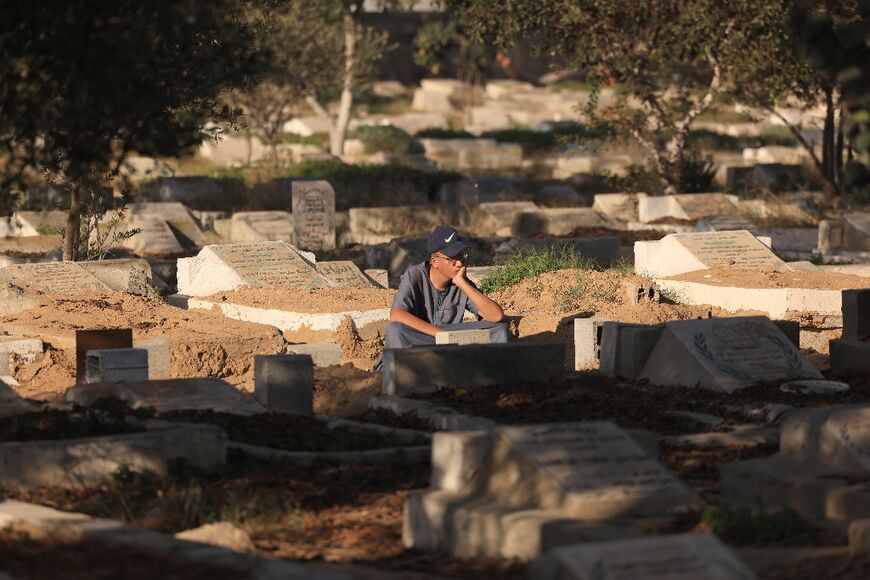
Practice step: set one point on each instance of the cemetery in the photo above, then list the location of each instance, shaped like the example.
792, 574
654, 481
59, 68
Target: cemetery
431, 291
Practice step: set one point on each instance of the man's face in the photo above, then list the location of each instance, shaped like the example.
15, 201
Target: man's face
449, 265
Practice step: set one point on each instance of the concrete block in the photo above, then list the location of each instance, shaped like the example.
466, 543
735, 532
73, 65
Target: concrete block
635, 346
611, 346
425, 369
116, 365
323, 354
159, 357
859, 537
791, 329
426, 518
285, 382
471, 336
639, 293
587, 342
457, 457
856, 314
849, 357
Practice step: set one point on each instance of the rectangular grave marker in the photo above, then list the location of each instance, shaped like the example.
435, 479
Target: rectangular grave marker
313, 215
586, 470
99, 339
267, 264
343, 274
65, 278
734, 249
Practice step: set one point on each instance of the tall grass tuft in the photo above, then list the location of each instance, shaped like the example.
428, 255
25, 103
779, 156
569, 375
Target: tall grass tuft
530, 263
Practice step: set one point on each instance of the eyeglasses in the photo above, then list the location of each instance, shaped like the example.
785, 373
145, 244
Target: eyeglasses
459, 258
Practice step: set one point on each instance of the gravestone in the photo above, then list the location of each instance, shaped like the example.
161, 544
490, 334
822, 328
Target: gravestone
261, 226
184, 226
224, 267
725, 354
110, 338
155, 237
679, 253
313, 215
343, 274
587, 470
678, 557
23, 286
851, 352
685, 207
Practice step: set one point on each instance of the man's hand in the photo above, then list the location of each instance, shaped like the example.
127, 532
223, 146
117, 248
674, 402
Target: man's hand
460, 275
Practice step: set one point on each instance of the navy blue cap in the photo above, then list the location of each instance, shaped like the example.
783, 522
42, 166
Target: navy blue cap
446, 240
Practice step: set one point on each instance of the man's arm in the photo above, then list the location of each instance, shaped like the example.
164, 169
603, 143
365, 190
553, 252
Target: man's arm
489, 308
408, 319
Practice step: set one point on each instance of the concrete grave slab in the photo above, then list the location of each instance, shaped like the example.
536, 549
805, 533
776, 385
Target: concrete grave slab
159, 356
725, 354
724, 224
35, 223
618, 206
226, 267
378, 277
394, 221
261, 226
679, 557
558, 221
679, 253
155, 237
687, 206
185, 227
22, 285
343, 274
128, 275
835, 440
427, 368
170, 395
496, 218
587, 470
473, 336
313, 215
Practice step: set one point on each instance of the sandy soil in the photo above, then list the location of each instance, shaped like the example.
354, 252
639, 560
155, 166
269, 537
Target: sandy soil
740, 278
312, 301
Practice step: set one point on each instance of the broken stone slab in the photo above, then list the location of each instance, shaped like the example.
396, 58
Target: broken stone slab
677, 557
170, 395
313, 215
128, 275
378, 277
224, 267
91, 460
725, 354
680, 253
184, 226
587, 470
425, 369
76, 527
25, 349
343, 274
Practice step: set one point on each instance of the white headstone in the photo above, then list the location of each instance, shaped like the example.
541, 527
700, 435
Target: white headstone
725, 354
685, 207
313, 215
681, 557
679, 253
587, 470
224, 267
261, 226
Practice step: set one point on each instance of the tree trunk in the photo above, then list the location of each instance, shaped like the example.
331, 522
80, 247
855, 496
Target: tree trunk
828, 137
839, 151
73, 225
339, 130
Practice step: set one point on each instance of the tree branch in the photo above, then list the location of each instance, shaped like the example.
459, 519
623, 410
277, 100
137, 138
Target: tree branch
809, 148
318, 108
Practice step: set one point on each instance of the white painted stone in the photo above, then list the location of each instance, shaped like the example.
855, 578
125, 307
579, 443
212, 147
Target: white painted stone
725, 354
261, 226
226, 267
679, 253
679, 557
471, 336
620, 206
587, 470
313, 215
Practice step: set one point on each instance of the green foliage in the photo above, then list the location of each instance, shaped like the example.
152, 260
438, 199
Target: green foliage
741, 526
441, 41
776, 135
694, 174
383, 138
528, 264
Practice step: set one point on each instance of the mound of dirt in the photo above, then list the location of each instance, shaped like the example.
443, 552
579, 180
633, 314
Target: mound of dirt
740, 278
361, 352
309, 301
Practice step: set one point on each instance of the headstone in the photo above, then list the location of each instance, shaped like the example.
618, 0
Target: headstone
587, 470
679, 253
618, 206
116, 365
285, 382
851, 352
261, 226
224, 267
681, 557
686, 207
313, 215
725, 354
185, 227
343, 274
23, 286
112, 338
155, 237
170, 395
404, 253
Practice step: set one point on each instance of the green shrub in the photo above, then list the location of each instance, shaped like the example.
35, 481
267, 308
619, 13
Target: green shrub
438, 133
383, 139
530, 263
743, 527
776, 135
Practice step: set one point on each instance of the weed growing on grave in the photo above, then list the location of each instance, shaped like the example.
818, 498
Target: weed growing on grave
256, 512
673, 296
528, 264
584, 290
741, 526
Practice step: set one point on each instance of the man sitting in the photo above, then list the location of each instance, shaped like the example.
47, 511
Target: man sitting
434, 295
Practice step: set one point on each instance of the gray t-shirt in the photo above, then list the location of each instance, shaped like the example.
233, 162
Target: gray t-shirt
417, 295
